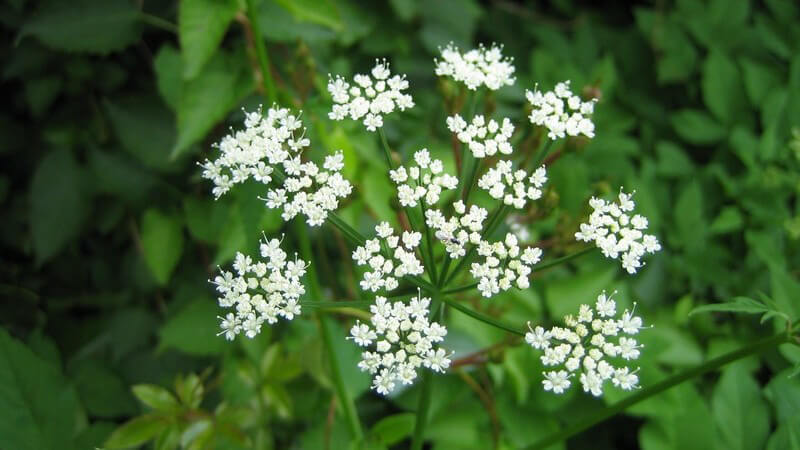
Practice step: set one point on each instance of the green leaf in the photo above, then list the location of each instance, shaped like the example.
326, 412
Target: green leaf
145, 128
92, 26
728, 220
784, 394
787, 436
39, 407
201, 27
722, 87
156, 397
136, 432
739, 305
102, 392
162, 243
690, 222
739, 410
393, 429
565, 296
168, 67
58, 204
321, 12
194, 329
759, 80
209, 97
697, 127
672, 160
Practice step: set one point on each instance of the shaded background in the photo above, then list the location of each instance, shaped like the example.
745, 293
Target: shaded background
108, 234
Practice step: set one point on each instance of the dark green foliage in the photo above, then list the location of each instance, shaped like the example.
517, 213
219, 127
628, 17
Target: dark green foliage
108, 235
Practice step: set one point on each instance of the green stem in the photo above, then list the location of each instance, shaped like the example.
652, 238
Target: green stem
460, 289
422, 411
261, 52
158, 22
644, 394
484, 318
425, 389
429, 244
563, 259
540, 155
336, 304
386, 150
344, 397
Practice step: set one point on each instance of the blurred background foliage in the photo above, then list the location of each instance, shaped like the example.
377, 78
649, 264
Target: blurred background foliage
108, 235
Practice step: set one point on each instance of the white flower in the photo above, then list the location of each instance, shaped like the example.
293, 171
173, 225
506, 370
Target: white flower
476, 67
404, 340
385, 270
260, 291
423, 182
268, 144
592, 344
370, 97
481, 137
561, 112
500, 265
513, 187
617, 234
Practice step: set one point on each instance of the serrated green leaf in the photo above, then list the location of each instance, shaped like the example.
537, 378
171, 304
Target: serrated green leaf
697, 127
59, 204
136, 432
39, 407
194, 329
393, 429
739, 410
156, 397
162, 243
209, 97
92, 26
201, 27
784, 394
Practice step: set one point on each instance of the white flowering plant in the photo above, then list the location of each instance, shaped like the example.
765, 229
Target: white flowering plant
448, 235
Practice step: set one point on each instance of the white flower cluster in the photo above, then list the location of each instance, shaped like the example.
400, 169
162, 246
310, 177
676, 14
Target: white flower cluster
503, 264
369, 98
404, 340
260, 291
483, 139
269, 143
309, 190
589, 339
456, 232
424, 181
242, 153
480, 66
385, 271
561, 112
616, 233
521, 187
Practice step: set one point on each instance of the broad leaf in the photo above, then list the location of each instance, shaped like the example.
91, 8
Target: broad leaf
162, 243
155, 397
92, 26
59, 204
194, 329
393, 429
697, 127
209, 97
201, 27
39, 407
136, 432
739, 410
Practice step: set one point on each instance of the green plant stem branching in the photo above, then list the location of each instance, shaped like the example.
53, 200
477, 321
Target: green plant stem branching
712, 364
342, 394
